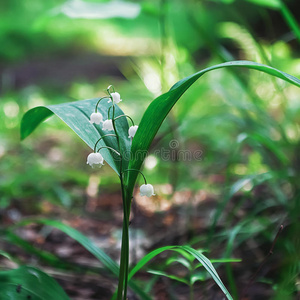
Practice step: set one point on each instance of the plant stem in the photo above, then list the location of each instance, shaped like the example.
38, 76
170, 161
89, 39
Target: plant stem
110, 148
138, 172
191, 291
126, 117
98, 103
124, 260
290, 20
95, 147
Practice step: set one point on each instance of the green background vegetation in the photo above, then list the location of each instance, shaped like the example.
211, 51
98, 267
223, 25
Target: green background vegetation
246, 123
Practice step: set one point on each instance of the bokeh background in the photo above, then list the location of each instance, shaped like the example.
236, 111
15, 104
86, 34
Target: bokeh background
230, 201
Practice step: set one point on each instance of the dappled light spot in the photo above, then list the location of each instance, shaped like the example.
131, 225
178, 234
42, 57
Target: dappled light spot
11, 109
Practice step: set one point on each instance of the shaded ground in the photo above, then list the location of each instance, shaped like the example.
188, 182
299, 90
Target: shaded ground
154, 223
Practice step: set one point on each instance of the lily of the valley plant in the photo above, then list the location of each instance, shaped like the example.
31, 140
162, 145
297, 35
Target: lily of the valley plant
116, 139
95, 159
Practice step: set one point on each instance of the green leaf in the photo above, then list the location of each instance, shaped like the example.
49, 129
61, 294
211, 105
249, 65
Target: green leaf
197, 277
221, 260
199, 256
209, 268
110, 264
161, 273
180, 260
94, 10
268, 143
46, 256
77, 115
161, 106
239, 184
275, 4
29, 283
6, 255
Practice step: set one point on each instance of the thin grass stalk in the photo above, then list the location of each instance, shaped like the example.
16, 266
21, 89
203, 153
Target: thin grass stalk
290, 20
191, 291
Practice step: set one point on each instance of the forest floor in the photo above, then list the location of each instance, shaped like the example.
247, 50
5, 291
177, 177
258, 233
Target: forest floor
154, 223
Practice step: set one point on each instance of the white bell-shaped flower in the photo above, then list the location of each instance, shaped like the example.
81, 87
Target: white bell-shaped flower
108, 125
132, 130
95, 160
96, 118
147, 190
116, 98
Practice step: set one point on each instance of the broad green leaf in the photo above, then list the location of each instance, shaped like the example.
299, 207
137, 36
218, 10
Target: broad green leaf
29, 283
110, 264
199, 256
161, 106
77, 115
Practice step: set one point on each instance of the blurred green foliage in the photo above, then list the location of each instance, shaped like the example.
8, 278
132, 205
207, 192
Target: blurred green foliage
246, 124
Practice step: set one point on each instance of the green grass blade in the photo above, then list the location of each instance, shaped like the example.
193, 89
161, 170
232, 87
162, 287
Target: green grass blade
161, 273
161, 106
199, 256
29, 283
290, 20
77, 115
287, 15
209, 268
110, 264
81, 239
274, 4
28, 247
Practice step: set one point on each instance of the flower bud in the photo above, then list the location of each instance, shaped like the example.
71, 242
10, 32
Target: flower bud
108, 125
96, 118
132, 130
147, 190
95, 160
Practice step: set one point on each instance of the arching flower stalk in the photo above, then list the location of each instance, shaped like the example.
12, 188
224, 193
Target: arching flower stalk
96, 117
146, 189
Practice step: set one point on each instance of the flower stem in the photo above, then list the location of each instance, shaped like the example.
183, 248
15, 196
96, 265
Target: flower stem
98, 103
111, 86
136, 171
101, 139
110, 148
124, 261
126, 117
108, 112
